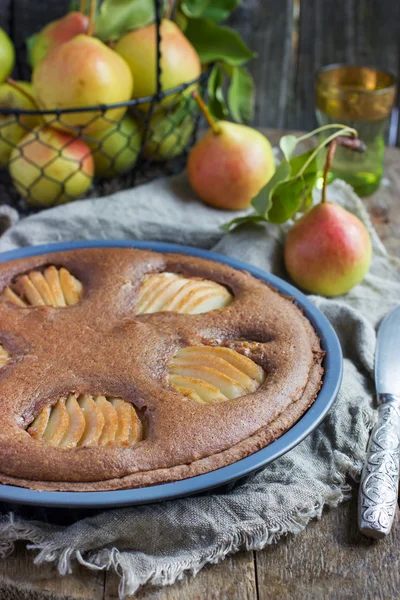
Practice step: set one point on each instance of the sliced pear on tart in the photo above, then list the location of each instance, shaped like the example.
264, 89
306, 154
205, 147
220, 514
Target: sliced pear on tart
54, 287
175, 293
87, 421
214, 374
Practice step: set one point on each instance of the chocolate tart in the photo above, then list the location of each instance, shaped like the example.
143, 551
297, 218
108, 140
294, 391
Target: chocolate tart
123, 368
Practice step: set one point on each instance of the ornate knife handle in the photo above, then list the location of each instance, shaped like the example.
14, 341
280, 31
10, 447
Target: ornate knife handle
380, 477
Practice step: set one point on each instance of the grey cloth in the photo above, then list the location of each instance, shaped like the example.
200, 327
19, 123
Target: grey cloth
160, 543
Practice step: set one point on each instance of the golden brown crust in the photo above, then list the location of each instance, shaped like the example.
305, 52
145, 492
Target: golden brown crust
99, 346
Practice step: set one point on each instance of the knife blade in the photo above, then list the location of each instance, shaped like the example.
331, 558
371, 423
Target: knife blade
380, 477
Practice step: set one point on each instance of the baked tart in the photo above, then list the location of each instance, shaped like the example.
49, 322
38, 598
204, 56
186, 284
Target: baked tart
122, 368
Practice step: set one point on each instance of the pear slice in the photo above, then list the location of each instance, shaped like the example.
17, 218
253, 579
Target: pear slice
206, 392
71, 287
188, 393
241, 362
124, 421
4, 356
94, 421
163, 294
30, 292
9, 296
53, 281
38, 427
229, 387
77, 423
136, 434
208, 299
221, 365
110, 421
58, 424
42, 287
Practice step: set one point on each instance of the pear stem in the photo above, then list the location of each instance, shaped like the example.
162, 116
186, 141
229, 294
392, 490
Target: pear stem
169, 9
216, 129
18, 87
92, 13
328, 164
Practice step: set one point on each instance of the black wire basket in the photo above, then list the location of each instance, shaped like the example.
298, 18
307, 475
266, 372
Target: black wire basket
152, 140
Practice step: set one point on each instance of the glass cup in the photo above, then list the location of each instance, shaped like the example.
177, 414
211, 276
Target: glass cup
361, 97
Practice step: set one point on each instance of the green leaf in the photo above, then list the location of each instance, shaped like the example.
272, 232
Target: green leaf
241, 95
215, 42
288, 144
117, 17
216, 103
73, 6
291, 195
253, 218
216, 10
262, 202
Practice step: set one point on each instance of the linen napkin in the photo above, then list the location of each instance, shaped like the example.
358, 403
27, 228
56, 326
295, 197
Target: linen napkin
160, 543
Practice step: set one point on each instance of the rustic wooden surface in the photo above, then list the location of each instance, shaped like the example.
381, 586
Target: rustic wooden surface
330, 560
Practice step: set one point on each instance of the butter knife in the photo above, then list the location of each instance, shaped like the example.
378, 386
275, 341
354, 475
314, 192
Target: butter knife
380, 477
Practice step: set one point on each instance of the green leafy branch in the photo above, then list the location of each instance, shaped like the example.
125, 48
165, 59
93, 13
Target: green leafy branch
231, 86
289, 191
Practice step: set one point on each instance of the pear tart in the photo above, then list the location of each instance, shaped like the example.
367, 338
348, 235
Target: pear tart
162, 368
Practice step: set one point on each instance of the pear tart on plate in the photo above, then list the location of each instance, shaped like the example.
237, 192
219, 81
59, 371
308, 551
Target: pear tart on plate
122, 368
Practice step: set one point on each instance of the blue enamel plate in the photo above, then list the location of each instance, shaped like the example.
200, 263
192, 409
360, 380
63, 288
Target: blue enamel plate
333, 364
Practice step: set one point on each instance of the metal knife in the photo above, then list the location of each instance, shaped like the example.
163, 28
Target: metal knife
380, 477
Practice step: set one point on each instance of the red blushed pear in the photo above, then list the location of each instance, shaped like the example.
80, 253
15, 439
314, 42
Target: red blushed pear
328, 251
51, 167
56, 33
83, 72
230, 165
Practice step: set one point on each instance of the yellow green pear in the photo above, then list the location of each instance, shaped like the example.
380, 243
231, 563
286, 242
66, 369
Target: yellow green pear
7, 56
51, 167
115, 150
167, 138
13, 128
80, 73
180, 62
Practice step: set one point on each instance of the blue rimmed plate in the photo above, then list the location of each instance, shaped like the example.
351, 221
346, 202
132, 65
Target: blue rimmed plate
333, 364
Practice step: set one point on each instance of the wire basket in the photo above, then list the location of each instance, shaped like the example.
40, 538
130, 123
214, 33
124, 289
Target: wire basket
140, 140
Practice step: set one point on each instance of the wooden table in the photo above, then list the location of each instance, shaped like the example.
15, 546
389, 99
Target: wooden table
330, 560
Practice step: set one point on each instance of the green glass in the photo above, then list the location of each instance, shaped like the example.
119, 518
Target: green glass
362, 98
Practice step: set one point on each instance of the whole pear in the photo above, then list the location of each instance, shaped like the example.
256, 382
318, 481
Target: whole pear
180, 62
56, 33
7, 56
79, 73
230, 165
115, 150
51, 167
12, 128
328, 251
168, 135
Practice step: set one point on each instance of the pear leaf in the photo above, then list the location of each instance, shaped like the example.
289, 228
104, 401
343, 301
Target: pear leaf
215, 42
216, 10
289, 196
117, 17
288, 144
216, 103
241, 95
253, 218
262, 201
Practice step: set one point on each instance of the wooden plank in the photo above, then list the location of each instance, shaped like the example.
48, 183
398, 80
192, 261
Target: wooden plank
233, 579
351, 31
21, 579
5, 15
331, 560
267, 29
